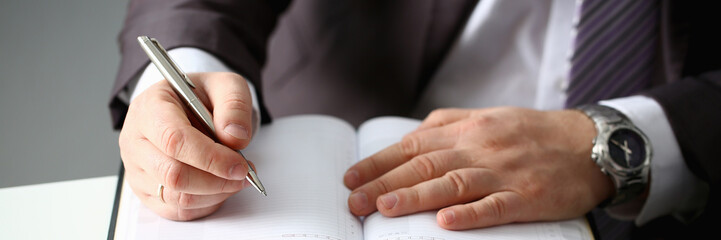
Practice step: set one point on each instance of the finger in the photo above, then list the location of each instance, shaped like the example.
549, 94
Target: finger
420, 169
495, 209
146, 184
459, 186
232, 107
412, 145
182, 200
442, 117
173, 213
156, 168
167, 127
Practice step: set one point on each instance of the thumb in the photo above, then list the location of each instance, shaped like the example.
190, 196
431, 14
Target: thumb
232, 107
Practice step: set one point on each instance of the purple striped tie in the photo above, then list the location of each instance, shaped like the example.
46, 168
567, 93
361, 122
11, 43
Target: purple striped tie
614, 50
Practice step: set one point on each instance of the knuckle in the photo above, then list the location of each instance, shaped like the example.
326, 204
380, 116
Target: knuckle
476, 123
437, 117
458, 182
410, 146
414, 197
369, 169
535, 189
171, 141
495, 207
185, 200
173, 173
473, 215
440, 113
212, 159
372, 165
235, 101
223, 185
495, 145
424, 166
384, 185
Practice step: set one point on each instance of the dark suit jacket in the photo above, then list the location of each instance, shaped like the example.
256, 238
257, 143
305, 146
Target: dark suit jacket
364, 58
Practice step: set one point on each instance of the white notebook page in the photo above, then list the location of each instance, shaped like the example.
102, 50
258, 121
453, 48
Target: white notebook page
301, 161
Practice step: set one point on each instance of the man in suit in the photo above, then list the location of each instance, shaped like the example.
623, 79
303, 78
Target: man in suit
482, 167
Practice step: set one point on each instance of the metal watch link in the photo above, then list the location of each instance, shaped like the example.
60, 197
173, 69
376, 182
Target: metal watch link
621, 150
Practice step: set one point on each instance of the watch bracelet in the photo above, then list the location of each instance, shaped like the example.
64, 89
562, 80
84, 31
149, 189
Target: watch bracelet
634, 181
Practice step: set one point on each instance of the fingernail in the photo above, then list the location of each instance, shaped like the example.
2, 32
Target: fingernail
236, 173
235, 185
245, 183
449, 216
351, 178
358, 201
236, 131
389, 200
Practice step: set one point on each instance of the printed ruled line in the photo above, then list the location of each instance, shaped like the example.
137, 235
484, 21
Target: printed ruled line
413, 238
307, 235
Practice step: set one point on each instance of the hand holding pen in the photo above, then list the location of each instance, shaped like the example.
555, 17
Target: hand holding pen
176, 170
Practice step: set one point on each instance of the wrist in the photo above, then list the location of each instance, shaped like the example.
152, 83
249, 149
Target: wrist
580, 132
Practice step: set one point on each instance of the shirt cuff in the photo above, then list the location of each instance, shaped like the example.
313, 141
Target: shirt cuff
673, 188
190, 60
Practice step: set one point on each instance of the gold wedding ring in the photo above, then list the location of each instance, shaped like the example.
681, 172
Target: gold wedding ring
160, 192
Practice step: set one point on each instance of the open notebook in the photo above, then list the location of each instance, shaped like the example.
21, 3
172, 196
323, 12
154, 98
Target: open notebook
301, 161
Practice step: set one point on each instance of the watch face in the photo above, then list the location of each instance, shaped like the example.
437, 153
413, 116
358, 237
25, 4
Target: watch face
627, 148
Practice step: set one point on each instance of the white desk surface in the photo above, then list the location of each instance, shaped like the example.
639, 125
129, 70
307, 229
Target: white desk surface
77, 209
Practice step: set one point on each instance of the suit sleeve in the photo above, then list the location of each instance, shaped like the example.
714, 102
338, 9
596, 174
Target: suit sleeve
693, 104
236, 32
693, 107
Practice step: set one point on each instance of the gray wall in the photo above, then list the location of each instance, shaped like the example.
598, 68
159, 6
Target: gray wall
58, 60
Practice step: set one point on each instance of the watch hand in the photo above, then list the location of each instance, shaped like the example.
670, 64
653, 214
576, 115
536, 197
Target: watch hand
628, 152
623, 147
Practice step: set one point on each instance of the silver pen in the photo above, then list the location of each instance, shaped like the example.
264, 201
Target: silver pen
184, 88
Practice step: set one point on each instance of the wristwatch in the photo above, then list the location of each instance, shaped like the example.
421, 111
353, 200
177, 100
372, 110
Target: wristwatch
621, 150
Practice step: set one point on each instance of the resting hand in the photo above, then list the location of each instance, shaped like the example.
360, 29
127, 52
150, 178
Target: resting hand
483, 168
160, 145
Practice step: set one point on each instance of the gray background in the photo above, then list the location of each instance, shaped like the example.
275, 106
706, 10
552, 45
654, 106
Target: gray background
58, 60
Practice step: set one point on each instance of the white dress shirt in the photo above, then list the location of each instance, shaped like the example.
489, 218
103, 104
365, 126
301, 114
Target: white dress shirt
515, 53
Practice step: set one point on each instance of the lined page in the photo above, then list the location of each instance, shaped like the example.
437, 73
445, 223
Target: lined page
423, 226
301, 161
378, 133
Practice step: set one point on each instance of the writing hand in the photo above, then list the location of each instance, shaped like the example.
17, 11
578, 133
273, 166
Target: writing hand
483, 168
160, 145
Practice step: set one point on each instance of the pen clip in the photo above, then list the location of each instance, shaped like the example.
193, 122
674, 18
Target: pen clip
172, 63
